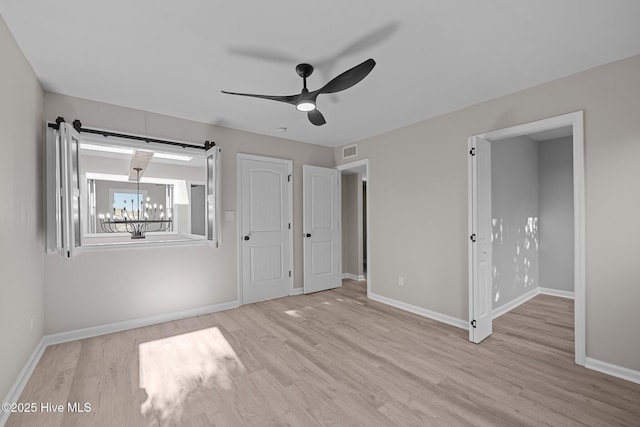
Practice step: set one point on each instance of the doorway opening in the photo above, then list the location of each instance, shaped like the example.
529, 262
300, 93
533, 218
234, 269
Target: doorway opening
531, 217
526, 220
356, 249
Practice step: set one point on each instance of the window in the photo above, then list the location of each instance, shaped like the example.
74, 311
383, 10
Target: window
111, 192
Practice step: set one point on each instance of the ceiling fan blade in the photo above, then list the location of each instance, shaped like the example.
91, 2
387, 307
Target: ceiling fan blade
289, 99
349, 78
316, 117
264, 53
370, 39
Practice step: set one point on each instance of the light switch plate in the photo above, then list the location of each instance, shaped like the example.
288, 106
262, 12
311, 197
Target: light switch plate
229, 216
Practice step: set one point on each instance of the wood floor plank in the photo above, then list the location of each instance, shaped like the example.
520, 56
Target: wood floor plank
50, 383
332, 358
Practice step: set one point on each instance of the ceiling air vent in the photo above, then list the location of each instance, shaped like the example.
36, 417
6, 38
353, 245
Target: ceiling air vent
350, 151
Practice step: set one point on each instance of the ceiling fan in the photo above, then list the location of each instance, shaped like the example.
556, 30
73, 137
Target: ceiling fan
306, 101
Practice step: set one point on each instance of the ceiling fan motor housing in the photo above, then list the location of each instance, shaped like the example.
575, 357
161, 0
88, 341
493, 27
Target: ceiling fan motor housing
304, 70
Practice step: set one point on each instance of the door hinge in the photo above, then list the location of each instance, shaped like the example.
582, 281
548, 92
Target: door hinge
473, 323
473, 238
288, 178
289, 226
289, 273
473, 151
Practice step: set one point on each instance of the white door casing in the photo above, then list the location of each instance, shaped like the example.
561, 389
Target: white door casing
576, 121
264, 228
321, 230
480, 307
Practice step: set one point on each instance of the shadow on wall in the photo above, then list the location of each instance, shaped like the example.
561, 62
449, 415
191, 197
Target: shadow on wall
517, 273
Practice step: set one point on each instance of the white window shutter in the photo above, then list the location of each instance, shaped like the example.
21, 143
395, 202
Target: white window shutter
213, 230
70, 174
54, 191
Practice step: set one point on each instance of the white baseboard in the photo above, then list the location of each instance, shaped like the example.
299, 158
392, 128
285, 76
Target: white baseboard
353, 277
516, 302
449, 320
557, 293
296, 291
109, 328
613, 370
18, 386
526, 297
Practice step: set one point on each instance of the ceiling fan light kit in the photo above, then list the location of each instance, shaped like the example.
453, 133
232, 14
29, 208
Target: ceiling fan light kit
305, 101
305, 106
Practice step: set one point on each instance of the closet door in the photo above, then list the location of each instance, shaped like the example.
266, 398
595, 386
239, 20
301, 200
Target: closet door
480, 241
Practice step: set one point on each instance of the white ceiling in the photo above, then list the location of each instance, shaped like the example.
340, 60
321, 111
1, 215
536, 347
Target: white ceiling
433, 56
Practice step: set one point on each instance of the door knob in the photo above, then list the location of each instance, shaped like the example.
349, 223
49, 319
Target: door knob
308, 234
246, 237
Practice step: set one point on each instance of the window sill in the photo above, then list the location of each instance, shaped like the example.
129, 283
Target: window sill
176, 241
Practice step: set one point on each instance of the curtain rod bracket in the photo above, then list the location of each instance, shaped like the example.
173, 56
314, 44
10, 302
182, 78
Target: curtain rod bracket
77, 125
58, 121
56, 125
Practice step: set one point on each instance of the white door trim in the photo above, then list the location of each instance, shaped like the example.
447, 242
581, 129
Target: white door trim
289, 163
576, 121
351, 165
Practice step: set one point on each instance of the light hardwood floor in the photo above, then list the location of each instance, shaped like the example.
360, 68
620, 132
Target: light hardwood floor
331, 358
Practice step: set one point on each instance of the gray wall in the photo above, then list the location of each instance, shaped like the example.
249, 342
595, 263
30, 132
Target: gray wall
514, 211
88, 291
352, 254
418, 198
22, 245
556, 214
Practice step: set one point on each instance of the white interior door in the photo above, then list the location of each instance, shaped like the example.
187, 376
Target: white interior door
265, 226
322, 236
480, 268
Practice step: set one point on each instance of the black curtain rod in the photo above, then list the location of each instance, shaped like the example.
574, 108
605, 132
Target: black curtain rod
78, 126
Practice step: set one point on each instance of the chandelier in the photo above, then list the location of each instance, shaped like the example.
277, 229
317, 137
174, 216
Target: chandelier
142, 217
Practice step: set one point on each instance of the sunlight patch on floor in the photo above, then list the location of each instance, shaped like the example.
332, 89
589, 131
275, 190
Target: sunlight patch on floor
293, 313
173, 368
